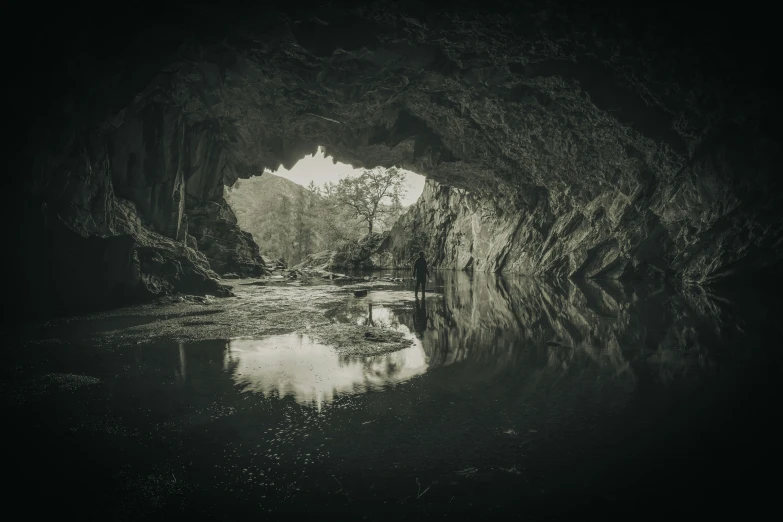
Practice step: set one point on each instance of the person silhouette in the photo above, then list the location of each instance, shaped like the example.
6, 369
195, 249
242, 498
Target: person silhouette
420, 274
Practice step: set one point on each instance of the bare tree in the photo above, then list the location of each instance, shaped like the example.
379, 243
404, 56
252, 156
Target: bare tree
372, 194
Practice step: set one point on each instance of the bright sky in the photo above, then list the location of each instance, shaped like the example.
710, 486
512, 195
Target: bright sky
320, 169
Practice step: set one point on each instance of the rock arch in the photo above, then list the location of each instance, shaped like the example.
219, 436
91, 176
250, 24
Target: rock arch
565, 141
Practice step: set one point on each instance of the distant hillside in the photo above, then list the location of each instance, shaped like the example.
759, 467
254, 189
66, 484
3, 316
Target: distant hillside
274, 210
253, 199
289, 221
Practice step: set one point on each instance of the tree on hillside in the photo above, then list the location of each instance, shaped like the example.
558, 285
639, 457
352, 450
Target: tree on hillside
371, 195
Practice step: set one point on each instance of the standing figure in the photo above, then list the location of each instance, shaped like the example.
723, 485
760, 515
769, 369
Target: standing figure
420, 274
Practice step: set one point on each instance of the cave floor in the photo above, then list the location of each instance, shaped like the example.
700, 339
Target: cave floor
516, 397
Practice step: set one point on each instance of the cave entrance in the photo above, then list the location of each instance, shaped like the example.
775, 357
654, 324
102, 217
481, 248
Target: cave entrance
320, 205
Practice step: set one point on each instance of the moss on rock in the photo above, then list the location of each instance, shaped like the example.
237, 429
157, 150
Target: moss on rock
360, 341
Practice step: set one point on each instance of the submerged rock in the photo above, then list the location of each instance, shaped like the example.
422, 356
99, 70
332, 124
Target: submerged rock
255, 283
360, 341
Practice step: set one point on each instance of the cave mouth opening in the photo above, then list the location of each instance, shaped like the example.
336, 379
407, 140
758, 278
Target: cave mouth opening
320, 205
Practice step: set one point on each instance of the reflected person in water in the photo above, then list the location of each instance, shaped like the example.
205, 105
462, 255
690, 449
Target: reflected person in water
420, 318
420, 273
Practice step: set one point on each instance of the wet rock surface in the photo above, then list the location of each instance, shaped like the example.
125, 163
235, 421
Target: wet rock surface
458, 230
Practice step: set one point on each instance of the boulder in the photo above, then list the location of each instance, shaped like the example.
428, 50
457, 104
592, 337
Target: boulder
228, 249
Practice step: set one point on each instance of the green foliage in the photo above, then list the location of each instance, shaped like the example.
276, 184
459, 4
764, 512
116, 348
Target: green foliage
289, 221
277, 214
372, 196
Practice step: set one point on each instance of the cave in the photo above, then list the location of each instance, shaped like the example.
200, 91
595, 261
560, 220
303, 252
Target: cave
593, 148
612, 150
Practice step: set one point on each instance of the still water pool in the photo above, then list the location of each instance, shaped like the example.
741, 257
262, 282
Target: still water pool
516, 398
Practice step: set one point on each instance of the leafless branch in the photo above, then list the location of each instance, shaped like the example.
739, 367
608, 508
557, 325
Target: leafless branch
421, 493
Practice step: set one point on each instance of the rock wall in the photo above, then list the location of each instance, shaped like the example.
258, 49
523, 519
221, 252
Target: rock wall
607, 237
128, 264
172, 169
579, 140
110, 226
455, 229
228, 248
132, 212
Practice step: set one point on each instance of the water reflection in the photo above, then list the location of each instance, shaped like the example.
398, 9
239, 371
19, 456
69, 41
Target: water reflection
620, 330
313, 373
556, 336
577, 388
420, 318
